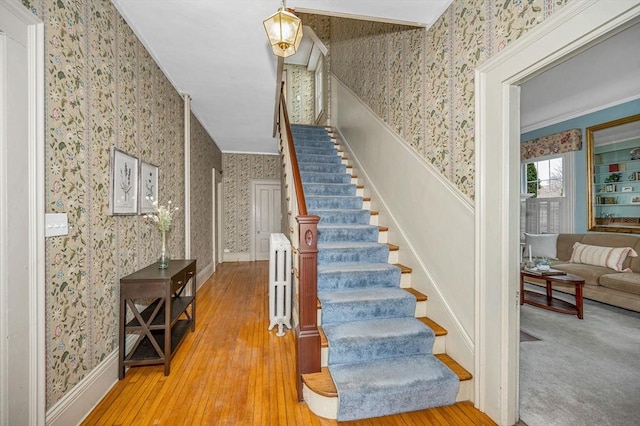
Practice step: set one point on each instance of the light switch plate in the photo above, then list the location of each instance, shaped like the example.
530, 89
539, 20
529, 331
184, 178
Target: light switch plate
56, 224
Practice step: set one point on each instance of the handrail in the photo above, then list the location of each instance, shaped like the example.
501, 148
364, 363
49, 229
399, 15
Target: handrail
305, 235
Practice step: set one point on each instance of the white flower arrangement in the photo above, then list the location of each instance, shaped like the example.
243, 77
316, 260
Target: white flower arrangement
162, 215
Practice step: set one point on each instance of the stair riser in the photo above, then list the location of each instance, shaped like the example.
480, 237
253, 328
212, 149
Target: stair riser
347, 234
378, 254
438, 348
356, 217
325, 178
333, 189
316, 150
319, 203
396, 346
367, 310
322, 168
357, 280
312, 158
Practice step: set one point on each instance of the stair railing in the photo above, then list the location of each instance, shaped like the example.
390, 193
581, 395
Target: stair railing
303, 235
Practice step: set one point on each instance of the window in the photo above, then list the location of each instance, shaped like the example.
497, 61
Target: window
546, 201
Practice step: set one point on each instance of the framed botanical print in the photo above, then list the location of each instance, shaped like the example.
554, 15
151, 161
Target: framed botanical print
123, 198
148, 187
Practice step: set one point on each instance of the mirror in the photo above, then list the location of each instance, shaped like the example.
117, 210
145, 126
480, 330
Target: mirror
613, 176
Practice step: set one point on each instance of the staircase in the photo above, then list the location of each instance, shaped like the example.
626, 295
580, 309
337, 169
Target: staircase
381, 355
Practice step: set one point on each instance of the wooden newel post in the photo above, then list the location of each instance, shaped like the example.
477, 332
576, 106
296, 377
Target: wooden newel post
307, 334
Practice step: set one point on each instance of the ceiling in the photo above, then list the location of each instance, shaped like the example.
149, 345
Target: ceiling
606, 74
217, 52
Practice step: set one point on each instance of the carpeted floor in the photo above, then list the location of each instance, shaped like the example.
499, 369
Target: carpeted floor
580, 372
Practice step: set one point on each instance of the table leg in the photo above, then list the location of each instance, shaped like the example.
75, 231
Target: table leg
521, 289
579, 300
549, 291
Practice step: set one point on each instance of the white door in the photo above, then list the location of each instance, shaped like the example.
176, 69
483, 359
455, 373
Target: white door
21, 217
267, 215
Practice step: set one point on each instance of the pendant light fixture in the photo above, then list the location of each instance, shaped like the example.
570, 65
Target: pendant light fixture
284, 30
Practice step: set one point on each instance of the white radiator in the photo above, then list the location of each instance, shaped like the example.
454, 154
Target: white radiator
279, 282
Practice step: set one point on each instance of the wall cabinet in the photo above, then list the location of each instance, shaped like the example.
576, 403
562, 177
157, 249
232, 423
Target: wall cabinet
170, 312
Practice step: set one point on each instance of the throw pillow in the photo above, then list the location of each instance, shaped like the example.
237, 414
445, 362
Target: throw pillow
542, 245
610, 257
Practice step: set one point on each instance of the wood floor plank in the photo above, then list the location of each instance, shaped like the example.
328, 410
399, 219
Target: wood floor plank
233, 371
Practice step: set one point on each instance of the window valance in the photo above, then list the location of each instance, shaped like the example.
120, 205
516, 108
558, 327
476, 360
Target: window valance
557, 143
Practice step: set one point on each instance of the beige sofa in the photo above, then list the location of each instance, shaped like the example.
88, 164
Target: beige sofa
601, 283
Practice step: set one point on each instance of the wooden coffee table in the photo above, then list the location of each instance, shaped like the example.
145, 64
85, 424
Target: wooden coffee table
548, 301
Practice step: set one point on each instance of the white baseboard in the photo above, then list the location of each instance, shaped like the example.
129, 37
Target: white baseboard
236, 257
204, 275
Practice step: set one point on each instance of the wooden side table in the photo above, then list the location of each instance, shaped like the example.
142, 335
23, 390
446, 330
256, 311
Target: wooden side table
161, 326
547, 301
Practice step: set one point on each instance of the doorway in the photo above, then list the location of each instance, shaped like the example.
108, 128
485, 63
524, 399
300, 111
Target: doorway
22, 291
266, 217
575, 27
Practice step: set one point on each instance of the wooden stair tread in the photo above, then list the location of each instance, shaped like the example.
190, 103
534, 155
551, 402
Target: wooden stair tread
323, 338
373, 212
404, 269
419, 296
393, 247
382, 229
365, 199
360, 186
455, 367
437, 328
321, 383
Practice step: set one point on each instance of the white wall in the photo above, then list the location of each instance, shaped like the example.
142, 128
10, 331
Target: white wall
431, 221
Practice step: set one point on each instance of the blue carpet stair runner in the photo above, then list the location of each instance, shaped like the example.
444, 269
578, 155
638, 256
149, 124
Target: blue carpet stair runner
380, 355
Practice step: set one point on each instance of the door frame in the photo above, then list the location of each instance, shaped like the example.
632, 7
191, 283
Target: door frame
35, 378
568, 32
252, 228
214, 221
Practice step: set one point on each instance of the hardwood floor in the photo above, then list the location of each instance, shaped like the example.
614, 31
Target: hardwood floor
233, 371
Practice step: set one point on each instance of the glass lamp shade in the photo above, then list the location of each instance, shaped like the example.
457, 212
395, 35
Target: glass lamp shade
284, 30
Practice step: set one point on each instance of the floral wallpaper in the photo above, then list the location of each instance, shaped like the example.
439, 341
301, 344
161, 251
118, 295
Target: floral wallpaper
205, 155
102, 89
238, 170
300, 94
557, 143
421, 82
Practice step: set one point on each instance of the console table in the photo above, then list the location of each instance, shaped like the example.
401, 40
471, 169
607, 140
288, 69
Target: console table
162, 325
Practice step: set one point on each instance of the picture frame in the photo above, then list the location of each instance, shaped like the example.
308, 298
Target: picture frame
148, 187
635, 200
123, 197
627, 189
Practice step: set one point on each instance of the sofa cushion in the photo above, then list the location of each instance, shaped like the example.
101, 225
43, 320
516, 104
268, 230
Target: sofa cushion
610, 239
590, 273
541, 245
611, 257
629, 283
